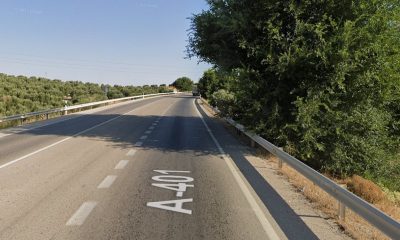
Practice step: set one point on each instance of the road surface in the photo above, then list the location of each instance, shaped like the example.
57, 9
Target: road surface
152, 169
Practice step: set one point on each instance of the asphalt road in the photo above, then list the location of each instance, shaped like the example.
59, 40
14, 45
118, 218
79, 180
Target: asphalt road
154, 169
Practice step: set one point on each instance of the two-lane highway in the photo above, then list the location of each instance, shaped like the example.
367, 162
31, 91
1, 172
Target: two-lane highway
146, 170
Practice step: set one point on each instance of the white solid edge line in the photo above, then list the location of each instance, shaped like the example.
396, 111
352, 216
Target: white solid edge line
131, 152
268, 229
65, 139
107, 182
121, 164
147, 132
81, 214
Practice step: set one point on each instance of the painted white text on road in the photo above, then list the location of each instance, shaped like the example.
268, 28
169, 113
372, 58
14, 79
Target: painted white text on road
176, 183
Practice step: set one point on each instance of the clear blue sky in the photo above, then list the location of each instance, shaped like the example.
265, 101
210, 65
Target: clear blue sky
126, 42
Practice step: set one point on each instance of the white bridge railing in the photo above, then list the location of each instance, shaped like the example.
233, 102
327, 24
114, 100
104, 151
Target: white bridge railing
65, 110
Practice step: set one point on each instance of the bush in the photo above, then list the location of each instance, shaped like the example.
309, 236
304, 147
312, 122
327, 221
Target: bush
224, 100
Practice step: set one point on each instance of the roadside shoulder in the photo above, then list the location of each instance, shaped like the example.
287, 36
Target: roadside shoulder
293, 213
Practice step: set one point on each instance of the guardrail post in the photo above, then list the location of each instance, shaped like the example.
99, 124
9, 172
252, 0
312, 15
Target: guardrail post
238, 131
280, 162
342, 207
47, 116
22, 120
65, 112
253, 144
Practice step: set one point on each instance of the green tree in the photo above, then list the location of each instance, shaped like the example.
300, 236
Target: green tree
318, 77
207, 83
183, 84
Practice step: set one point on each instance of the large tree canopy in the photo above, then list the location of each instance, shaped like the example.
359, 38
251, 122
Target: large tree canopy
320, 78
183, 84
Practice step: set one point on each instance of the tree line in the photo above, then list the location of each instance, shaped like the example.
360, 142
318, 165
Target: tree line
20, 94
319, 78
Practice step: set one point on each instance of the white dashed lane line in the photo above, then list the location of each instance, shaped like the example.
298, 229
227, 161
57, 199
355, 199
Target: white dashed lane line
68, 138
81, 214
131, 152
86, 208
107, 182
121, 164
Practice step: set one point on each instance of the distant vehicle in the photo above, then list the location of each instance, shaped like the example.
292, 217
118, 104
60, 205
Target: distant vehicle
195, 92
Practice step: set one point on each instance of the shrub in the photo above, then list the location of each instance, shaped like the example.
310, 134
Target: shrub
224, 100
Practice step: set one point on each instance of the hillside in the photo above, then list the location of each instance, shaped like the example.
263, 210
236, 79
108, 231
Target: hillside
21, 94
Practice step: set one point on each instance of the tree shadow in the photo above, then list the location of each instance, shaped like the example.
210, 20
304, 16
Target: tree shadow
180, 133
287, 219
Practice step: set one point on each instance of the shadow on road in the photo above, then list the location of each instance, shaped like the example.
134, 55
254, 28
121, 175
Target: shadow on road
178, 133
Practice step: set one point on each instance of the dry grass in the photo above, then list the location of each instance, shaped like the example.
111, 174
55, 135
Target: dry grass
353, 225
365, 189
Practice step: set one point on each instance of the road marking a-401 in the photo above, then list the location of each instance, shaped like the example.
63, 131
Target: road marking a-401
177, 183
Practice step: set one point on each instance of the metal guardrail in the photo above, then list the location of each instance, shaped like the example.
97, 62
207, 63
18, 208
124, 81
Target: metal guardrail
74, 107
370, 213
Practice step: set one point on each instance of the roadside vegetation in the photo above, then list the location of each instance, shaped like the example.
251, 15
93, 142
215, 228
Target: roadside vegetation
183, 84
20, 94
319, 78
